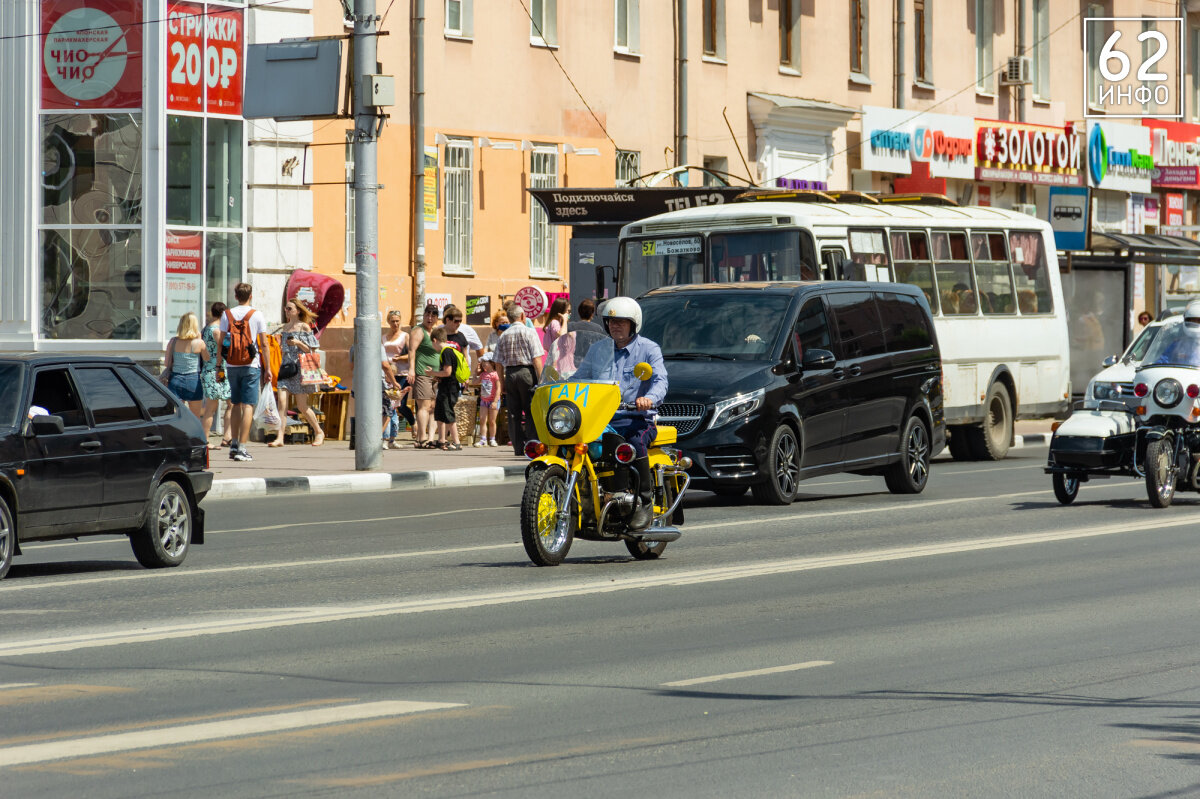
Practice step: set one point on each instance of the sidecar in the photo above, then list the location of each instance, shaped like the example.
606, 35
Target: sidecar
1098, 440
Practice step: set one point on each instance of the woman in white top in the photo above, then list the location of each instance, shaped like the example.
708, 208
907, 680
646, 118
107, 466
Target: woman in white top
395, 350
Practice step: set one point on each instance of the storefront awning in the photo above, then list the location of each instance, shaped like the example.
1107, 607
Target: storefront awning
1145, 249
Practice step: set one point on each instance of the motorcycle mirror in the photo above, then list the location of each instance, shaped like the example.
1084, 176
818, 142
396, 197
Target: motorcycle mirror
643, 371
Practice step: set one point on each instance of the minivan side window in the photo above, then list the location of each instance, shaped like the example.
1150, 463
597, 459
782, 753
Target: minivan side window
904, 323
106, 396
54, 391
812, 329
858, 324
153, 399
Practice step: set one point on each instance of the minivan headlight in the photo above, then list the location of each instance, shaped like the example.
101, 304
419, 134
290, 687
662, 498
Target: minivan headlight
563, 419
735, 408
1105, 391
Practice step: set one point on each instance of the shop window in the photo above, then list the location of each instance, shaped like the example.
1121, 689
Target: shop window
912, 262
993, 275
185, 170
952, 268
223, 259
543, 237
458, 206
1029, 273
91, 283
224, 172
91, 169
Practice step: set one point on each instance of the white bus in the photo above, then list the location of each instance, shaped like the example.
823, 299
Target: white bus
990, 277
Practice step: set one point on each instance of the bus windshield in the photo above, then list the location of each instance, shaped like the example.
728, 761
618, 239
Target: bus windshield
650, 263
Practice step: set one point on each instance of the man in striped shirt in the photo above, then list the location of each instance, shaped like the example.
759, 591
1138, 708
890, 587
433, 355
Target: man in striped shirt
519, 350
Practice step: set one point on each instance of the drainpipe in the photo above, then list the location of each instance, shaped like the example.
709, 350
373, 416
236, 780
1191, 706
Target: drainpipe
901, 75
1021, 86
418, 124
681, 136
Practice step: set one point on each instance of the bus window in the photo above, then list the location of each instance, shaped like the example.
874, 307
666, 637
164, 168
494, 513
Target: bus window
650, 263
910, 249
952, 265
1029, 272
867, 248
993, 273
762, 255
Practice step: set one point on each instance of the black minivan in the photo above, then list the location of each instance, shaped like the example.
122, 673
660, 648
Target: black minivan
773, 383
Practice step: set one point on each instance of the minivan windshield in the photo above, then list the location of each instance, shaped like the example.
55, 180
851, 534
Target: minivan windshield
11, 388
727, 325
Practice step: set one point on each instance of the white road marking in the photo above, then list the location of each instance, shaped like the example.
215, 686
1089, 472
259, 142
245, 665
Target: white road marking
9, 685
209, 731
737, 675
118, 636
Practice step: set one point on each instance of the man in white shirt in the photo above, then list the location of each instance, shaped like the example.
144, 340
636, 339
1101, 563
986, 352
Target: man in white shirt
245, 380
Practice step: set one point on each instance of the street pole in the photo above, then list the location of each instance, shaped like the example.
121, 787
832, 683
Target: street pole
418, 124
368, 393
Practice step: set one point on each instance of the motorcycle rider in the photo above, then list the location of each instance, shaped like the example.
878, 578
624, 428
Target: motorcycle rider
622, 319
1185, 349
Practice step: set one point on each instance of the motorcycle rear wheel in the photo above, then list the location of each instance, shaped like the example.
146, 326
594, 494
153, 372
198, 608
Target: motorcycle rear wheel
545, 542
1161, 473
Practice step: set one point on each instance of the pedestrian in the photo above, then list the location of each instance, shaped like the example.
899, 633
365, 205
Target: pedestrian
215, 391
395, 353
489, 400
556, 322
499, 325
463, 336
520, 352
185, 351
423, 359
447, 390
242, 339
587, 310
296, 339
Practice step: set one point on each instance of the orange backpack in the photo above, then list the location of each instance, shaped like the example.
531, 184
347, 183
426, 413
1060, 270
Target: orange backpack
239, 349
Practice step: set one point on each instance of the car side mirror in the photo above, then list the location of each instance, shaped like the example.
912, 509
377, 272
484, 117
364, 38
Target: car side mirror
1110, 361
46, 425
816, 359
643, 371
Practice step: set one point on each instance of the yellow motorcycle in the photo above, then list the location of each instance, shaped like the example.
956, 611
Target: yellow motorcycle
580, 483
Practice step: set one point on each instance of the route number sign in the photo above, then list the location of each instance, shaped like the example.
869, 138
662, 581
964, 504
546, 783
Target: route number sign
1133, 67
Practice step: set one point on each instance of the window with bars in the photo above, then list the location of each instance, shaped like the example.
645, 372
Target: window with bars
858, 37
629, 167
458, 205
543, 237
1041, 49
923, 41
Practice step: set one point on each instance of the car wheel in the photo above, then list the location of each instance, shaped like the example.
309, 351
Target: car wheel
8, 537
990, 441
1066, 487
164, 538
910, 474
783, 469
959, 443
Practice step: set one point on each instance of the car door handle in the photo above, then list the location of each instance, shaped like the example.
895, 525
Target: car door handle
838, 373
152, 440
89, 444
855, 370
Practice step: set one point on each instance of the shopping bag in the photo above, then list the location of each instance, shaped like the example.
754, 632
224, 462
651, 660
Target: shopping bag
311, 373
266, 412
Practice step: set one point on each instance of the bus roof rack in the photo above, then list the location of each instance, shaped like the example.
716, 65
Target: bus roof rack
775, 196
854, 197
917, 199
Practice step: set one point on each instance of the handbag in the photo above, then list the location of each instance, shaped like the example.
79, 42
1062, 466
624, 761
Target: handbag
289, 370
311, 373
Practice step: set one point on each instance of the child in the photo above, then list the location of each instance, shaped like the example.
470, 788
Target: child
447, 391
489, 400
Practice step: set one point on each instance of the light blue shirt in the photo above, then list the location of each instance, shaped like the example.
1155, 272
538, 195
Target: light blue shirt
625, 358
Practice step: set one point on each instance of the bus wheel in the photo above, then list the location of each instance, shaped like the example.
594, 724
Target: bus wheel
959, 442
990, 441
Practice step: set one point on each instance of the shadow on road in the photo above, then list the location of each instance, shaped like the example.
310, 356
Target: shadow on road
24, 570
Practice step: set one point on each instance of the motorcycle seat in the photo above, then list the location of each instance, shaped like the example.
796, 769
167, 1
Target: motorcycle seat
666, 435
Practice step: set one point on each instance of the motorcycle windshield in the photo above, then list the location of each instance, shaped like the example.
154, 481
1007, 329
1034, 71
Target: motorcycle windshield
1176, 345
581, 356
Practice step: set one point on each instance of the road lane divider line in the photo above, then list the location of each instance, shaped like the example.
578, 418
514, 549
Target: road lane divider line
210, 731
8, 686
737, 675
276, 620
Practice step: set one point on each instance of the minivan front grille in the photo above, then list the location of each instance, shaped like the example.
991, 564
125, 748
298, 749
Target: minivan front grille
685, 417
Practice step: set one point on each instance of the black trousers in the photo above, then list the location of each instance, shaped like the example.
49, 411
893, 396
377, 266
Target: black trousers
519, 382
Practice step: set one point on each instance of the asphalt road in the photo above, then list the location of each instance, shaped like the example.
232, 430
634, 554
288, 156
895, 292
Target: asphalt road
978, 640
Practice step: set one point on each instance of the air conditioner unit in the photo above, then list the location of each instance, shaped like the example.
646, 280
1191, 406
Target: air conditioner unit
1025, 208
1018, 71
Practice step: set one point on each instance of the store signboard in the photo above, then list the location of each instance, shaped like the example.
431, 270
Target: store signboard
204, 58
1173, 200
1118, 157
893, 138
1016, 152
1176, 150
185, 275
479, 309
91, 54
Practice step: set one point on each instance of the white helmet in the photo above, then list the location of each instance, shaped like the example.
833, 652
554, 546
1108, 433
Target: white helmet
623, 308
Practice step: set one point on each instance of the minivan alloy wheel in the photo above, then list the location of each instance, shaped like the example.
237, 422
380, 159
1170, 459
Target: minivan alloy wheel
918, 453
782, 467
8, 537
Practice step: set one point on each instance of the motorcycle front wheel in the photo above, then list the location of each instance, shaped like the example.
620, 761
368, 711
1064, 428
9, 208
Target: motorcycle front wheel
1160, 472
546, 540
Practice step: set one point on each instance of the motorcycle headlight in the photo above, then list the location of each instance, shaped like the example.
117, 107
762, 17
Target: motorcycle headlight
1105, 391
1168, 392
563, 419
735, 408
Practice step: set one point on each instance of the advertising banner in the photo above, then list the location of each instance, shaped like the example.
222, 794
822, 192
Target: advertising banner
204, 58
185, 276
893, 138
224, 43
479, 309
91, 54
440, 300
616, 206
1015, 152
1174, 208
185, 57
1176, 150
429, 188
1118, 157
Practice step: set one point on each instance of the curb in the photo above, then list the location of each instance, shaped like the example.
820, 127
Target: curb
372, 481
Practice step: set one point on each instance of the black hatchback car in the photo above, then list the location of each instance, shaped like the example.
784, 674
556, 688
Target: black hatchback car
92, 445
773, 383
